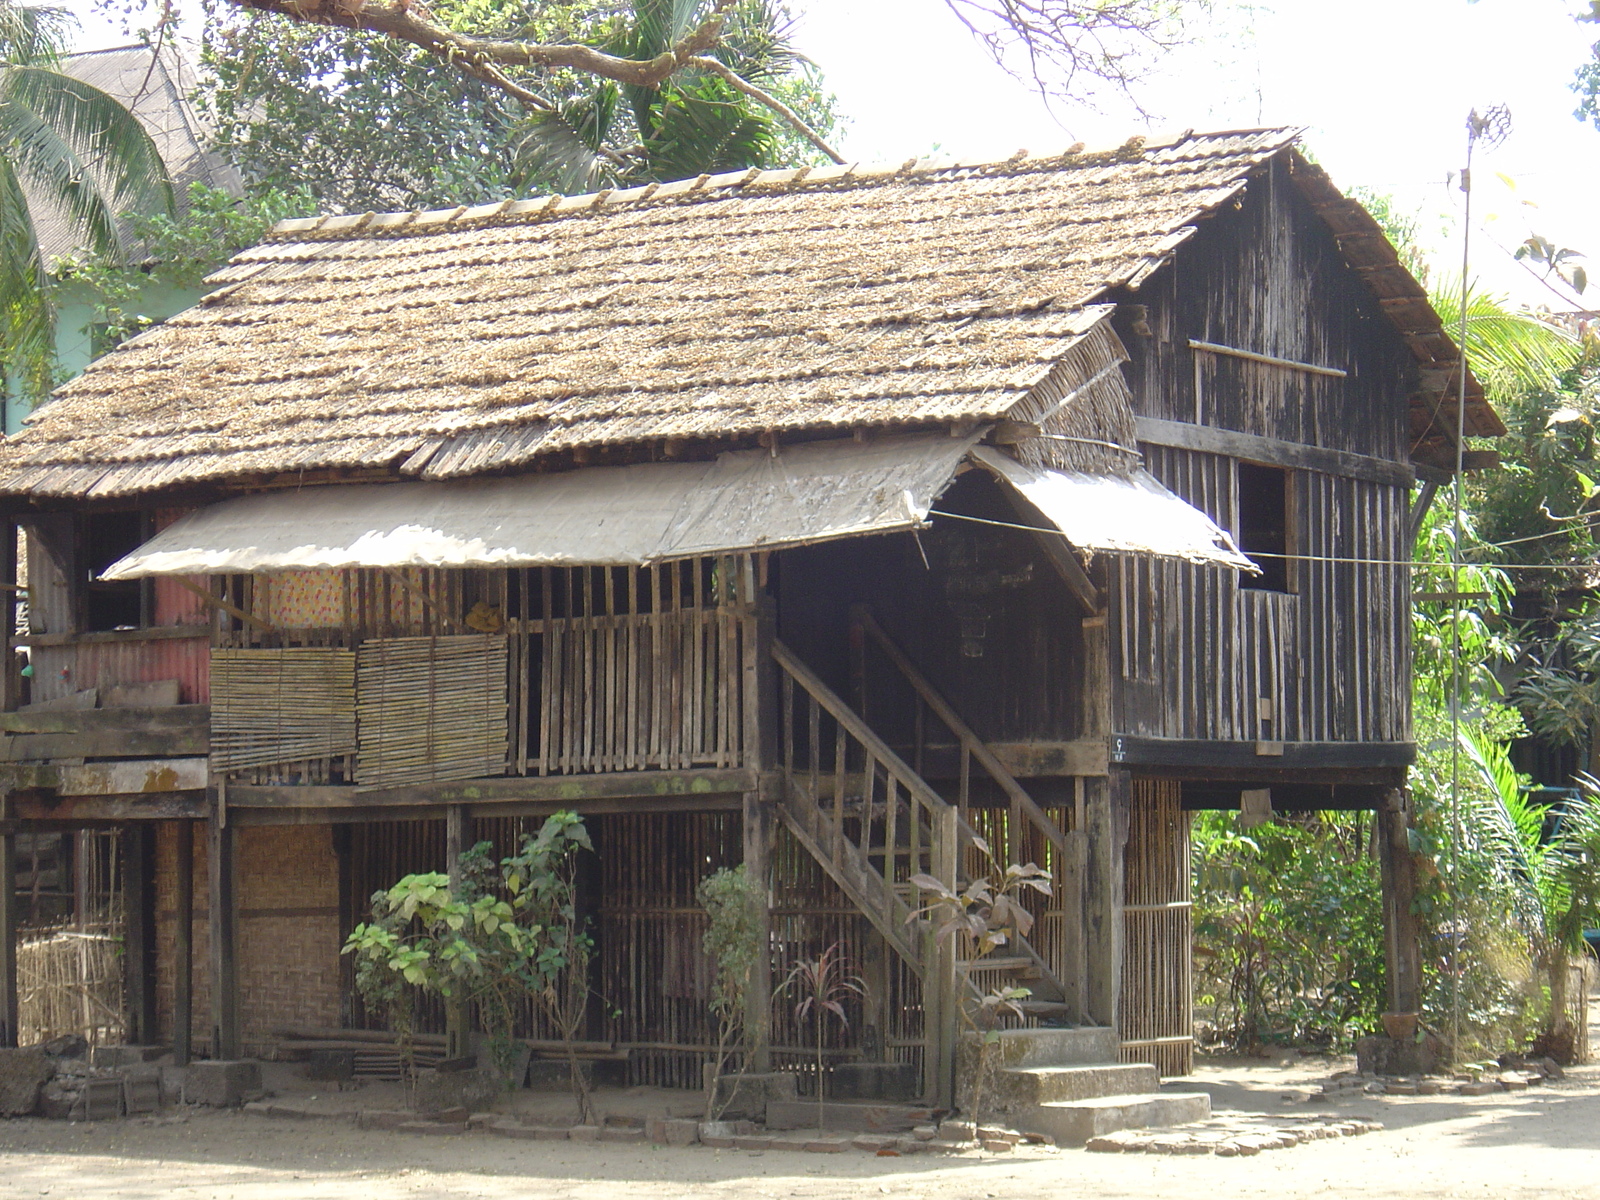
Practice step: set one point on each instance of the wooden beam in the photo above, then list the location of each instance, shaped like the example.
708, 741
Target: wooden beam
457, 841
1270, 360
1296, 455
1025, 760
1179, 752
183, 946
232, 610
137, 776
1419, 510
174, 719
81, 810
364, 814
1106, 834
42, 747
123, 637
557, 789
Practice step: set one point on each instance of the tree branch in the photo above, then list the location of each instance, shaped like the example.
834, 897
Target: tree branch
401, 21
739, 84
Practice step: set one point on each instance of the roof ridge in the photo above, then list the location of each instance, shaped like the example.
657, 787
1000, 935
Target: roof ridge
753, 179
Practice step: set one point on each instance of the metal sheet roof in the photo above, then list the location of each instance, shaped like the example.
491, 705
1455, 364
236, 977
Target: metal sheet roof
1131, 514
603, 515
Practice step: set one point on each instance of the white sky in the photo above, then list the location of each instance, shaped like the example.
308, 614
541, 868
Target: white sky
1383, 87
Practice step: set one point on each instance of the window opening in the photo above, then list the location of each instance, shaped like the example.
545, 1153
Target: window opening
1263, 527
111, 604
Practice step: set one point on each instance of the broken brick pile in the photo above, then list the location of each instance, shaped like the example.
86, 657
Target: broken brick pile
1230, 1136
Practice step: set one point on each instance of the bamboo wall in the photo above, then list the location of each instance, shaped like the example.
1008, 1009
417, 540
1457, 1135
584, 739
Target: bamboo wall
1155, 1013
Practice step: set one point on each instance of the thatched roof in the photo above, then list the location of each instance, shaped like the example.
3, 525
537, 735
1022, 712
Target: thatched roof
789, 303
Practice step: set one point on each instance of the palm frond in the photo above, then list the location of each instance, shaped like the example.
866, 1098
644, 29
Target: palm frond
25, 310
108, 138
34, 33
1507, 348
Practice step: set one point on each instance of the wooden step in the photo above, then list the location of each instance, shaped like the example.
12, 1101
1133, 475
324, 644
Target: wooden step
994, 962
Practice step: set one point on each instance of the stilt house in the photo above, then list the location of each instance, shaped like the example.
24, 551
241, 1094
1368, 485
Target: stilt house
817, 519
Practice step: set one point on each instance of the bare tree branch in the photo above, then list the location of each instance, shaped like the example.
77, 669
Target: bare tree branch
739, 84
1111, 42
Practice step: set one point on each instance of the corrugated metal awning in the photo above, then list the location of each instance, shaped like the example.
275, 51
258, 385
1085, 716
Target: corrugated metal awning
621, 516
1118, 514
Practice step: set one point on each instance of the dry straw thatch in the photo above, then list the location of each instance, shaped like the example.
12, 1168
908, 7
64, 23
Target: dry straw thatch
456, 342
70, 981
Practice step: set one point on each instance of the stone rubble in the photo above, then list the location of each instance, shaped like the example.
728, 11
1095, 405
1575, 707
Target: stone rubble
1231, 1136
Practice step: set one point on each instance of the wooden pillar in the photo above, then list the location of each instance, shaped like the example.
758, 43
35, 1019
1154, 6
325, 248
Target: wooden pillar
759, 826
1106, 836
8, 930
183, 946
457, 840
224, 951
138, 908
940, 998
1402, 950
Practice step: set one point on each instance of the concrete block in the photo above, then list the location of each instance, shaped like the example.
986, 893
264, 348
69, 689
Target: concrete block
1074, 1123
123, 1056
331, 1066
222, 1083
752, 1142
1020, 1087
671, 1131
621, 1133
473, 1089
141, 1089
22, 1073
747, 1096
584, 1133
826, 1145
100, 1100
894, 1081
434, 1128
857, 1115
1080, 1046
718, 1135
1388, 1056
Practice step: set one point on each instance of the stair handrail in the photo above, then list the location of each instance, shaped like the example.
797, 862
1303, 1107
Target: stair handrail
971, 743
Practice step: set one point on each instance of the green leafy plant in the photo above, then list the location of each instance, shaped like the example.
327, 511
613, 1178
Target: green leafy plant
735, 903
1547, 857
820, 988
980, 917
503, 933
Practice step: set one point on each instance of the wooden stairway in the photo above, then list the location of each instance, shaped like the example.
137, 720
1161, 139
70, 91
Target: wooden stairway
872, 823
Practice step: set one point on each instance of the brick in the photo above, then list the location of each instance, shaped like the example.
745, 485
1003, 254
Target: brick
379, 1118
614, 1133
752, 1142
998, 1145
222, 1083
871, 1141
584, 1133
828, 1145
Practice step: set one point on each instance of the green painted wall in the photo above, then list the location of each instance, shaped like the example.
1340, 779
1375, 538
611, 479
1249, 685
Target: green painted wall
75, 333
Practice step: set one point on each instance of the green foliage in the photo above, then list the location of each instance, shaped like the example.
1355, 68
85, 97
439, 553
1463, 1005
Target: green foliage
369, 123
736, 904
500, 934
67, 148
176, 251
1288, 929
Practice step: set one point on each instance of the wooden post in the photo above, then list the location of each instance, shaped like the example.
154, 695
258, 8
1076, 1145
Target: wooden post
183, 946
1106, 827
1402, 950
457, 839
224, 953
138, 908
759, 826
8, 930
941, 1016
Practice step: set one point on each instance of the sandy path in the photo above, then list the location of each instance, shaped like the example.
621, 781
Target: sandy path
1541, 1143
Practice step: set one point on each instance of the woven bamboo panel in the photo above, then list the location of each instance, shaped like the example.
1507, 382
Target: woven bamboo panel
281, 705
431, 709
1155, 1011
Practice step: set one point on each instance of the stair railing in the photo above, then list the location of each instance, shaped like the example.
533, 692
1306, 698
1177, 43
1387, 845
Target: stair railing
971, 749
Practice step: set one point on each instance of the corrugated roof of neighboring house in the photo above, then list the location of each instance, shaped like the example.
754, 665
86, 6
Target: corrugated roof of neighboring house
800, 301
155, 87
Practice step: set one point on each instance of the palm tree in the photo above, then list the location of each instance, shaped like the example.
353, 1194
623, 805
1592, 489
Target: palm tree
1546, 859
68, 148
693, 124
1512, 351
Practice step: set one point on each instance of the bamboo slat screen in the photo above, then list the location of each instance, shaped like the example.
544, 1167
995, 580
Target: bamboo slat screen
431, 709
1155, 1015
281, 705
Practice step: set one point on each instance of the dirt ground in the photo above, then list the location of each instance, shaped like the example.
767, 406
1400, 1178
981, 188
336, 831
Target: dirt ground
1543, 1142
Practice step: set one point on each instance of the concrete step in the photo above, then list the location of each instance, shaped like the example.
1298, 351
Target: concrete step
1072, 1123
1084, 1045
1021, 1087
